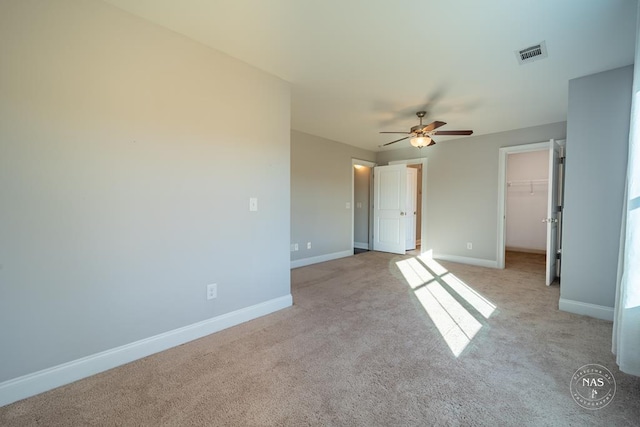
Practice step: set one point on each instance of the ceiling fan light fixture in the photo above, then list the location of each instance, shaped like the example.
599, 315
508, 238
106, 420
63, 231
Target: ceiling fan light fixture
420, 141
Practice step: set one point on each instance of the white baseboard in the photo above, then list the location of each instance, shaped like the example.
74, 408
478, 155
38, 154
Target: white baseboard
467, 260
320, 258
586, 309
47, 379
360, 245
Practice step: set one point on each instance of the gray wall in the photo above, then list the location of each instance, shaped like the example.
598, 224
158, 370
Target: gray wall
462, 188
597, 146
321, 175
125, 175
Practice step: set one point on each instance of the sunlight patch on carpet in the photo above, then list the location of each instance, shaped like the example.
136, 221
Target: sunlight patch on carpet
414, 272
456, 324
452, 320
433, 265
484, 306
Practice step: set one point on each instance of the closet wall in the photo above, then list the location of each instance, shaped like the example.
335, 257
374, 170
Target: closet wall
527, 188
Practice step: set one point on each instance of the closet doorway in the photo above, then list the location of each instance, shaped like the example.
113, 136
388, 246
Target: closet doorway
527, 194
530, 203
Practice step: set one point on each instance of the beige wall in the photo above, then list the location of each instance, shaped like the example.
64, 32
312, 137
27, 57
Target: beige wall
321, 182
126, 169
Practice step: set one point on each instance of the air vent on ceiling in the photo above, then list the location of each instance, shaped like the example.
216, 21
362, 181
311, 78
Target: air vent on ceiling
532, 53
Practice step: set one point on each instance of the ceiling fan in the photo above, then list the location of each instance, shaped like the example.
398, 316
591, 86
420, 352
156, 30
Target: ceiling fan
421, 134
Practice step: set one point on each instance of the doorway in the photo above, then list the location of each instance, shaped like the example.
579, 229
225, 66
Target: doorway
361, 201
529, 203
362, 214
526, 202
420, 166
414, 207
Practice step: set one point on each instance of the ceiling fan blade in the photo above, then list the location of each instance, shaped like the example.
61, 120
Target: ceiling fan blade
432, 126
406, 133
453, 132
431, 143
393, 142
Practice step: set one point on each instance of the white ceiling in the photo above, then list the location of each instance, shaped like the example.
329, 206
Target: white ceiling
360, 67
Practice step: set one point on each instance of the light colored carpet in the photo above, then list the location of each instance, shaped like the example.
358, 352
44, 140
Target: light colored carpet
359, 349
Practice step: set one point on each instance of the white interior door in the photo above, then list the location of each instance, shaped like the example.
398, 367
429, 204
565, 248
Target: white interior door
412, 195
552, 212
389, 208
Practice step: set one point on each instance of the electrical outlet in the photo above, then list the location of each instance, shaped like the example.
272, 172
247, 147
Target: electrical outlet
308, 245
253, 204
469, 245
295, 247
212, 291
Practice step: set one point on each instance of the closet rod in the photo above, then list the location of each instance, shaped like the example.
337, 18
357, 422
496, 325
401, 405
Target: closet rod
528, 182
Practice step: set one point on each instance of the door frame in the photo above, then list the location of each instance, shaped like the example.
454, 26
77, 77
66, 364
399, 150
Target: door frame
370, 165
502, 189
553, 217
423, 203
411, 217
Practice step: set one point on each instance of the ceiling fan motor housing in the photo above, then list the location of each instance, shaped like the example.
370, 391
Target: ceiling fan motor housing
417, 129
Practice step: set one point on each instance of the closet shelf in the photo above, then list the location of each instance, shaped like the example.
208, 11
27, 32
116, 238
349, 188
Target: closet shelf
527, 182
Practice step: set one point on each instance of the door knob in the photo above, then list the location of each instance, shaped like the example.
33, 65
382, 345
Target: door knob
401, 213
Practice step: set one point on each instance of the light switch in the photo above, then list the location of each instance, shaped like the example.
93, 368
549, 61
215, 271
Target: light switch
253, 204
348, 205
